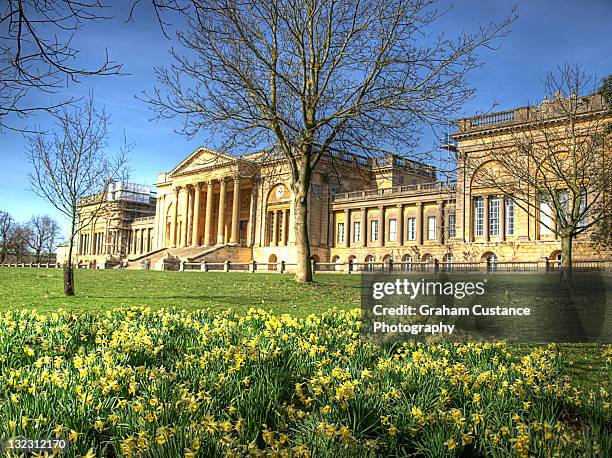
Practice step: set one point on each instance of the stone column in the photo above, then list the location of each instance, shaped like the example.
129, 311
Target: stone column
502, 218
419, 223
274, 227
190, 198
439, 225
156, 219
162, 235
195, 229
400, 224
347, 228
364, 227
252, 208
173, 227
185, 213
445, 217
91, 239
221, 219
285, 226
485, 222
236, 212
208, 215
381, 225
469, 218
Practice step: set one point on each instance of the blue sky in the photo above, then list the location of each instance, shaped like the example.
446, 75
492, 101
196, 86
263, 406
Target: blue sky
547, 33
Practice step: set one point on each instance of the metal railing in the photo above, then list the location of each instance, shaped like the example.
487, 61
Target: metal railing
433, 266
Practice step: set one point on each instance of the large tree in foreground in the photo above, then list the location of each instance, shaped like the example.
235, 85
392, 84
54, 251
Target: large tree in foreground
309, 76
558, 166
71, 163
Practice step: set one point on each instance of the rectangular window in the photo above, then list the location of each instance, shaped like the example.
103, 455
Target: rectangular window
494, 216
478, 216
340, 233
281, 227
546, 219
374, 231
392, 230
451, 225
431, 228
509, 216
411, 228
357, 231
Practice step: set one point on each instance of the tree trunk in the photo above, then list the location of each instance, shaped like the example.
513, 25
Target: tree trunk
303, 272
566, 260
68, 271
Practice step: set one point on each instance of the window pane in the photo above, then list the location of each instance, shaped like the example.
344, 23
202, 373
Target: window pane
340, 237
357, 231
494, 216
451, 225
478, 216
546, 220
374, 231
509, 216
411, 228
431, 227
392, 230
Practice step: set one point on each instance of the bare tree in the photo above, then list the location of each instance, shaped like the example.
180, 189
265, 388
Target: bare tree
7, 227
39, 49
307, 77
38, 54
556, 165
44, 233
71, 165
18, 243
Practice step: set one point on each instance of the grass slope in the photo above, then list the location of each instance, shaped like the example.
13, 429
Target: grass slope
100, 290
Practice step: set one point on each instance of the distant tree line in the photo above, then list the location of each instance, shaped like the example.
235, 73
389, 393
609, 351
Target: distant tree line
33, 241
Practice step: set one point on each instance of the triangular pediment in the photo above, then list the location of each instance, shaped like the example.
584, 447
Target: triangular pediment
203, 158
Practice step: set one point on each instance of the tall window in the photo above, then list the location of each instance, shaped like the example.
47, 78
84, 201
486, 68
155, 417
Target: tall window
357, 231
452, 220
411, 228
494, 216
546, 219
281, 227
340, 233
478, 216
392, 230
374, 230
431, 228
509, 216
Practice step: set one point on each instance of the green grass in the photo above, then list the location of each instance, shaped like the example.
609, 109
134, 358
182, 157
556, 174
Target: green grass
100, 290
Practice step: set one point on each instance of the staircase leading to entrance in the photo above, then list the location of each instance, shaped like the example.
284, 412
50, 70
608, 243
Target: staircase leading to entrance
217, 253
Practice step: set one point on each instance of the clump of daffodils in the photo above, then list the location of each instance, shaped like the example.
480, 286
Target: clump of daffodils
175, 383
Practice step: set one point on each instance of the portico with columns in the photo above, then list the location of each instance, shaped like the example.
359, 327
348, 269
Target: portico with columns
205, 202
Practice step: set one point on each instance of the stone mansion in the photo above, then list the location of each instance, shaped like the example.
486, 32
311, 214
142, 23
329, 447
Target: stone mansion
216, 207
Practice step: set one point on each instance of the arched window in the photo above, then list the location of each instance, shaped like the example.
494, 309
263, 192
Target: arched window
427, 262
369, 263
272, 262
447, 262
555, 258
491, 259
336, 261
407, 263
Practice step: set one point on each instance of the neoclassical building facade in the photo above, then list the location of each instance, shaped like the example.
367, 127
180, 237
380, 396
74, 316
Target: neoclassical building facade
215, 207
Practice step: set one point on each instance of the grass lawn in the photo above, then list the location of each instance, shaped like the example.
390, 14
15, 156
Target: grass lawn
100, 290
